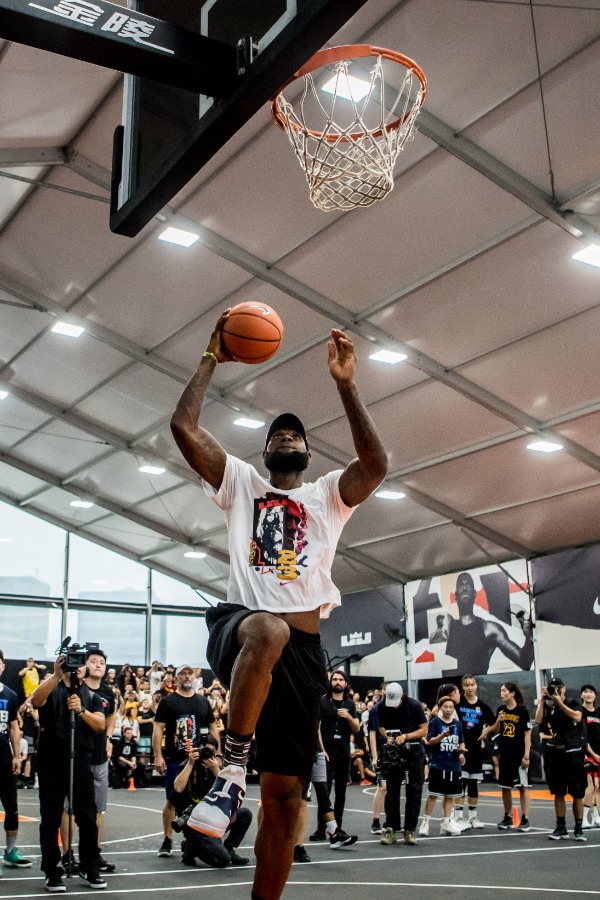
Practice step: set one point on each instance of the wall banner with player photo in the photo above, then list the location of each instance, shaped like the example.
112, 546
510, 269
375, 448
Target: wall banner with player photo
566, 587
476, 622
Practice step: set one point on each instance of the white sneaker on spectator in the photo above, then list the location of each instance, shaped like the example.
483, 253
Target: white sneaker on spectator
476, 823
424, 829
449, 826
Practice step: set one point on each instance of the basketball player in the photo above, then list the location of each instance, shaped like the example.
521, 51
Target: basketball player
265, 642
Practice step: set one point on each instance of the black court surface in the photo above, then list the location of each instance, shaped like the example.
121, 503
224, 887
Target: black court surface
482, 865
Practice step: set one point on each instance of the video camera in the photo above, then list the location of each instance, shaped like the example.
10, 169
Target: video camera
74, 653
393, 758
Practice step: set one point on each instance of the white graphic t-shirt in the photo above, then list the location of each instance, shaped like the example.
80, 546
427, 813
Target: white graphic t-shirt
281, 543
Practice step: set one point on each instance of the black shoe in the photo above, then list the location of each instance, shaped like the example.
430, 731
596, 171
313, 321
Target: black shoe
105, 866
74, 863
318, 835
188, 859
560, 833
524, 824
166, 847
236, 859
300, 854
340, 839
54, 883
93, 878
578, 834
506, 824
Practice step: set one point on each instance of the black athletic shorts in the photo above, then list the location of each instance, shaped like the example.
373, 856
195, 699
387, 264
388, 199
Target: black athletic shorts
565, 773
287, 729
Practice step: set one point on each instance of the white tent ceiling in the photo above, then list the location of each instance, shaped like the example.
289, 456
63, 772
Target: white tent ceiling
466, 268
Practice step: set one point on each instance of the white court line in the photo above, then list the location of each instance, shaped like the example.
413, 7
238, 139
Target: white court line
436, 885
340, 858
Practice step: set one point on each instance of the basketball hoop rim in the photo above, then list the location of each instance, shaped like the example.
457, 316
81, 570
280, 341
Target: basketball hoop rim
337, 54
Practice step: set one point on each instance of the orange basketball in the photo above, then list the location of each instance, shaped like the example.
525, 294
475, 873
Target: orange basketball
252, 332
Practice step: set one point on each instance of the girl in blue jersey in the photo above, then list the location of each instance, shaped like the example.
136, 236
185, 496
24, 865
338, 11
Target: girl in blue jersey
446, 748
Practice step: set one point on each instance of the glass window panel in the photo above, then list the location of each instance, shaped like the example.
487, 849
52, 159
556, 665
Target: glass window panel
168, 591
30, 631
32, 554
122, 636
179, 639
99, 574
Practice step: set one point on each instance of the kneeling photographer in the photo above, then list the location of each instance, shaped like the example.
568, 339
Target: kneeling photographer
70, 715
403, 725
562, 718
194, 780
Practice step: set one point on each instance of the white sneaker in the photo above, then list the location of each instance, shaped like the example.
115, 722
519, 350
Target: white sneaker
464, 826
476, 823
596, 819
214, 813
424, 829
449, 826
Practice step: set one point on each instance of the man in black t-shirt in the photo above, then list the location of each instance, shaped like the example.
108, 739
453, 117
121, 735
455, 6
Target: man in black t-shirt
562, 718
402, 723
338, 721
96, 670
179, 718
57, 698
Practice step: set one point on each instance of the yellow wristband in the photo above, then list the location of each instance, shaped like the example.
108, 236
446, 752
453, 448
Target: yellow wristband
210, 356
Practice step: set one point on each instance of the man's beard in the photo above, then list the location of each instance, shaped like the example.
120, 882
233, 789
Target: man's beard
286, 461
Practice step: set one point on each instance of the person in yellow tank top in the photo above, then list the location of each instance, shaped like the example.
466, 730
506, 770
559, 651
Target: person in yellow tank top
31, 676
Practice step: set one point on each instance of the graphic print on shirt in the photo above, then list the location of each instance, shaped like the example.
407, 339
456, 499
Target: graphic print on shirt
4, 717
278, 537
185, 730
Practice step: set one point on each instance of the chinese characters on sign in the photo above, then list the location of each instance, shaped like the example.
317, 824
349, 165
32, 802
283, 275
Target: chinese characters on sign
118, 23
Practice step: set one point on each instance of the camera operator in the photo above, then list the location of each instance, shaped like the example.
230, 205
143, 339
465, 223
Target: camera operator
195, 778
57, 698
401, 757
562, 718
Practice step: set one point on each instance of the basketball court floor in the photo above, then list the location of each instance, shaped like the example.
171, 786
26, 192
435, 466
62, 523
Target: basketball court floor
483, 865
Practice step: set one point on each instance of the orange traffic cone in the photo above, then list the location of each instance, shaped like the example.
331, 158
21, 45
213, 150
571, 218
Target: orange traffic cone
131, 784
516, 818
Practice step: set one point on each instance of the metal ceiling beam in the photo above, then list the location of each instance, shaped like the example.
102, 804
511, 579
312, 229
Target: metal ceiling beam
115, 548
500, 540
503, 176
179, 537
25, 157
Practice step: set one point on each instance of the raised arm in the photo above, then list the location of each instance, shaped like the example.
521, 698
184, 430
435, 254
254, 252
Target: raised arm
367, 471
201, 450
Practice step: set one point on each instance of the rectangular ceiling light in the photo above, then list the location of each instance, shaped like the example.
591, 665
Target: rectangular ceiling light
82, 504
388, 356
178, 236
544, 446
68, 329
152, 470
194, 554
347, 86
390, 495
3, 395
589, 255
248, 423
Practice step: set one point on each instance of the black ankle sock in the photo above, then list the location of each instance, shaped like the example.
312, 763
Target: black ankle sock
237, 748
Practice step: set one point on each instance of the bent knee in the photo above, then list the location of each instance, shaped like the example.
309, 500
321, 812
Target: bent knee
264, 633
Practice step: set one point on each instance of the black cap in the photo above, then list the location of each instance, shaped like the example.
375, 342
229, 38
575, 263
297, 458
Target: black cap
286, 420
557, 681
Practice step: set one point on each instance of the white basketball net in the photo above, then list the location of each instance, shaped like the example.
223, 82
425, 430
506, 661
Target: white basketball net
352, 164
